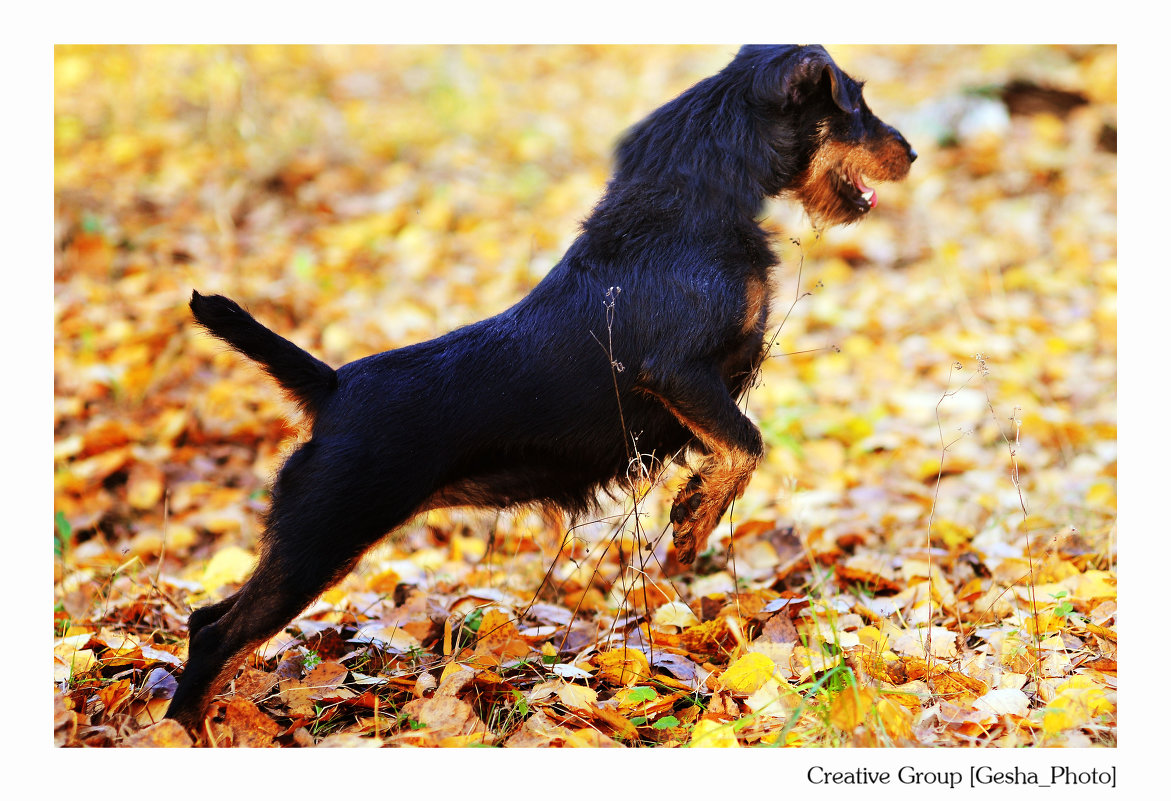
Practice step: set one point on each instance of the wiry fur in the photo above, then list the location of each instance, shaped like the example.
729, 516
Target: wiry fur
532, 406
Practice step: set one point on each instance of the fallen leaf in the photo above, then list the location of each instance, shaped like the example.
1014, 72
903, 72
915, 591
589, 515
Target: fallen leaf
1003, 702
230, 565
675, 613
850, 707
1079, 701
576, 696
748, 673
165, 734
622, 666
250, 727
711, 734
914, 642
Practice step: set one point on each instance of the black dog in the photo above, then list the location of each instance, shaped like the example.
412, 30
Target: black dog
634, 347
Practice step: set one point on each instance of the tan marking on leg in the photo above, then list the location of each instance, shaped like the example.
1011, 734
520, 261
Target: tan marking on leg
756, 296
721, 477
697, 509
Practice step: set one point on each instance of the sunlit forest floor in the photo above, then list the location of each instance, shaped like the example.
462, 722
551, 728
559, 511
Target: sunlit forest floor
926, 556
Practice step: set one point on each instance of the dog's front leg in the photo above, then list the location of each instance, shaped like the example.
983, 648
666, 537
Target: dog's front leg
700, 401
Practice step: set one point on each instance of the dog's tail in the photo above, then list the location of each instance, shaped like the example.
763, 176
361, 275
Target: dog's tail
307, 379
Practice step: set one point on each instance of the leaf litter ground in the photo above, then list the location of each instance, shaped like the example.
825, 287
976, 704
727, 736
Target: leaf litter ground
927, 556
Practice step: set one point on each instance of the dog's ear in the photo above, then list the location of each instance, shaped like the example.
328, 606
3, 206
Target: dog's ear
810, 67
795, 74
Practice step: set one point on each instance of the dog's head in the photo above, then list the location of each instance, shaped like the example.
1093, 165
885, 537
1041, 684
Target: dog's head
816, 112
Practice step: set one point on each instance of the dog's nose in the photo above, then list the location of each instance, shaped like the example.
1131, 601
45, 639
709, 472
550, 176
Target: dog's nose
911, 154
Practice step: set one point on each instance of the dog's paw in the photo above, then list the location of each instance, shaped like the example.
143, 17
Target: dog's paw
693, 516
701, 503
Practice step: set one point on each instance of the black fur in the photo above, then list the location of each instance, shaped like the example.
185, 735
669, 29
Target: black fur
635, 346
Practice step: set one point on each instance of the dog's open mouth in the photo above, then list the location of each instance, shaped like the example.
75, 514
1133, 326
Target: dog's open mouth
854, 189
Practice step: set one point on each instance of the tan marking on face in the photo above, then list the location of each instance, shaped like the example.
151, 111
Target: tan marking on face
880, 159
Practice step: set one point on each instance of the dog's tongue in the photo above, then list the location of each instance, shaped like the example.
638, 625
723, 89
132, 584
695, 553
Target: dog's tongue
868, 194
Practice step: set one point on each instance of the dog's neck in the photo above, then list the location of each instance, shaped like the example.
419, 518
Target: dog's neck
696, 149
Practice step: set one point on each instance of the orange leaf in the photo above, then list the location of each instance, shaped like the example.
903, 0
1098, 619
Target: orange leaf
116, 694
166, 734
850, 707
250, 727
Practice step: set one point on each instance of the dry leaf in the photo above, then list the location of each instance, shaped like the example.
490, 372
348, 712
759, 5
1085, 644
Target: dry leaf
711, 734
748, 673
850, 707
230, 565
166, 734
622, 666
250, 727
675, 613
577, 697
1004, 701
914, 642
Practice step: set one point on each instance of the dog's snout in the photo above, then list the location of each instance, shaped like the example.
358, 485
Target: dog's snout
911, 154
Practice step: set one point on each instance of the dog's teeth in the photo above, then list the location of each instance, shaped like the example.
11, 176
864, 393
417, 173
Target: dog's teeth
868, 196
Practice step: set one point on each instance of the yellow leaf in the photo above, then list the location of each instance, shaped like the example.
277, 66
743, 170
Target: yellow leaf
1079, 701
384, 581
452, 669
748, 673
230, 565
496, 628
958, 688
622, 727
576, 696
896, 719
115, 695
972, 590
952, 534
622, 666
872, 639
1102, 494
469, 549
498, 640
170, 424
711, 734
1096, 584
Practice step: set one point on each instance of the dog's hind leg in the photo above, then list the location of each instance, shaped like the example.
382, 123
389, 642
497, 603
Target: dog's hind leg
326, 512
733, 448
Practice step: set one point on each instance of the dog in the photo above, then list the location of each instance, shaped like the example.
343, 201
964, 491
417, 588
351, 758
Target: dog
634, 348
